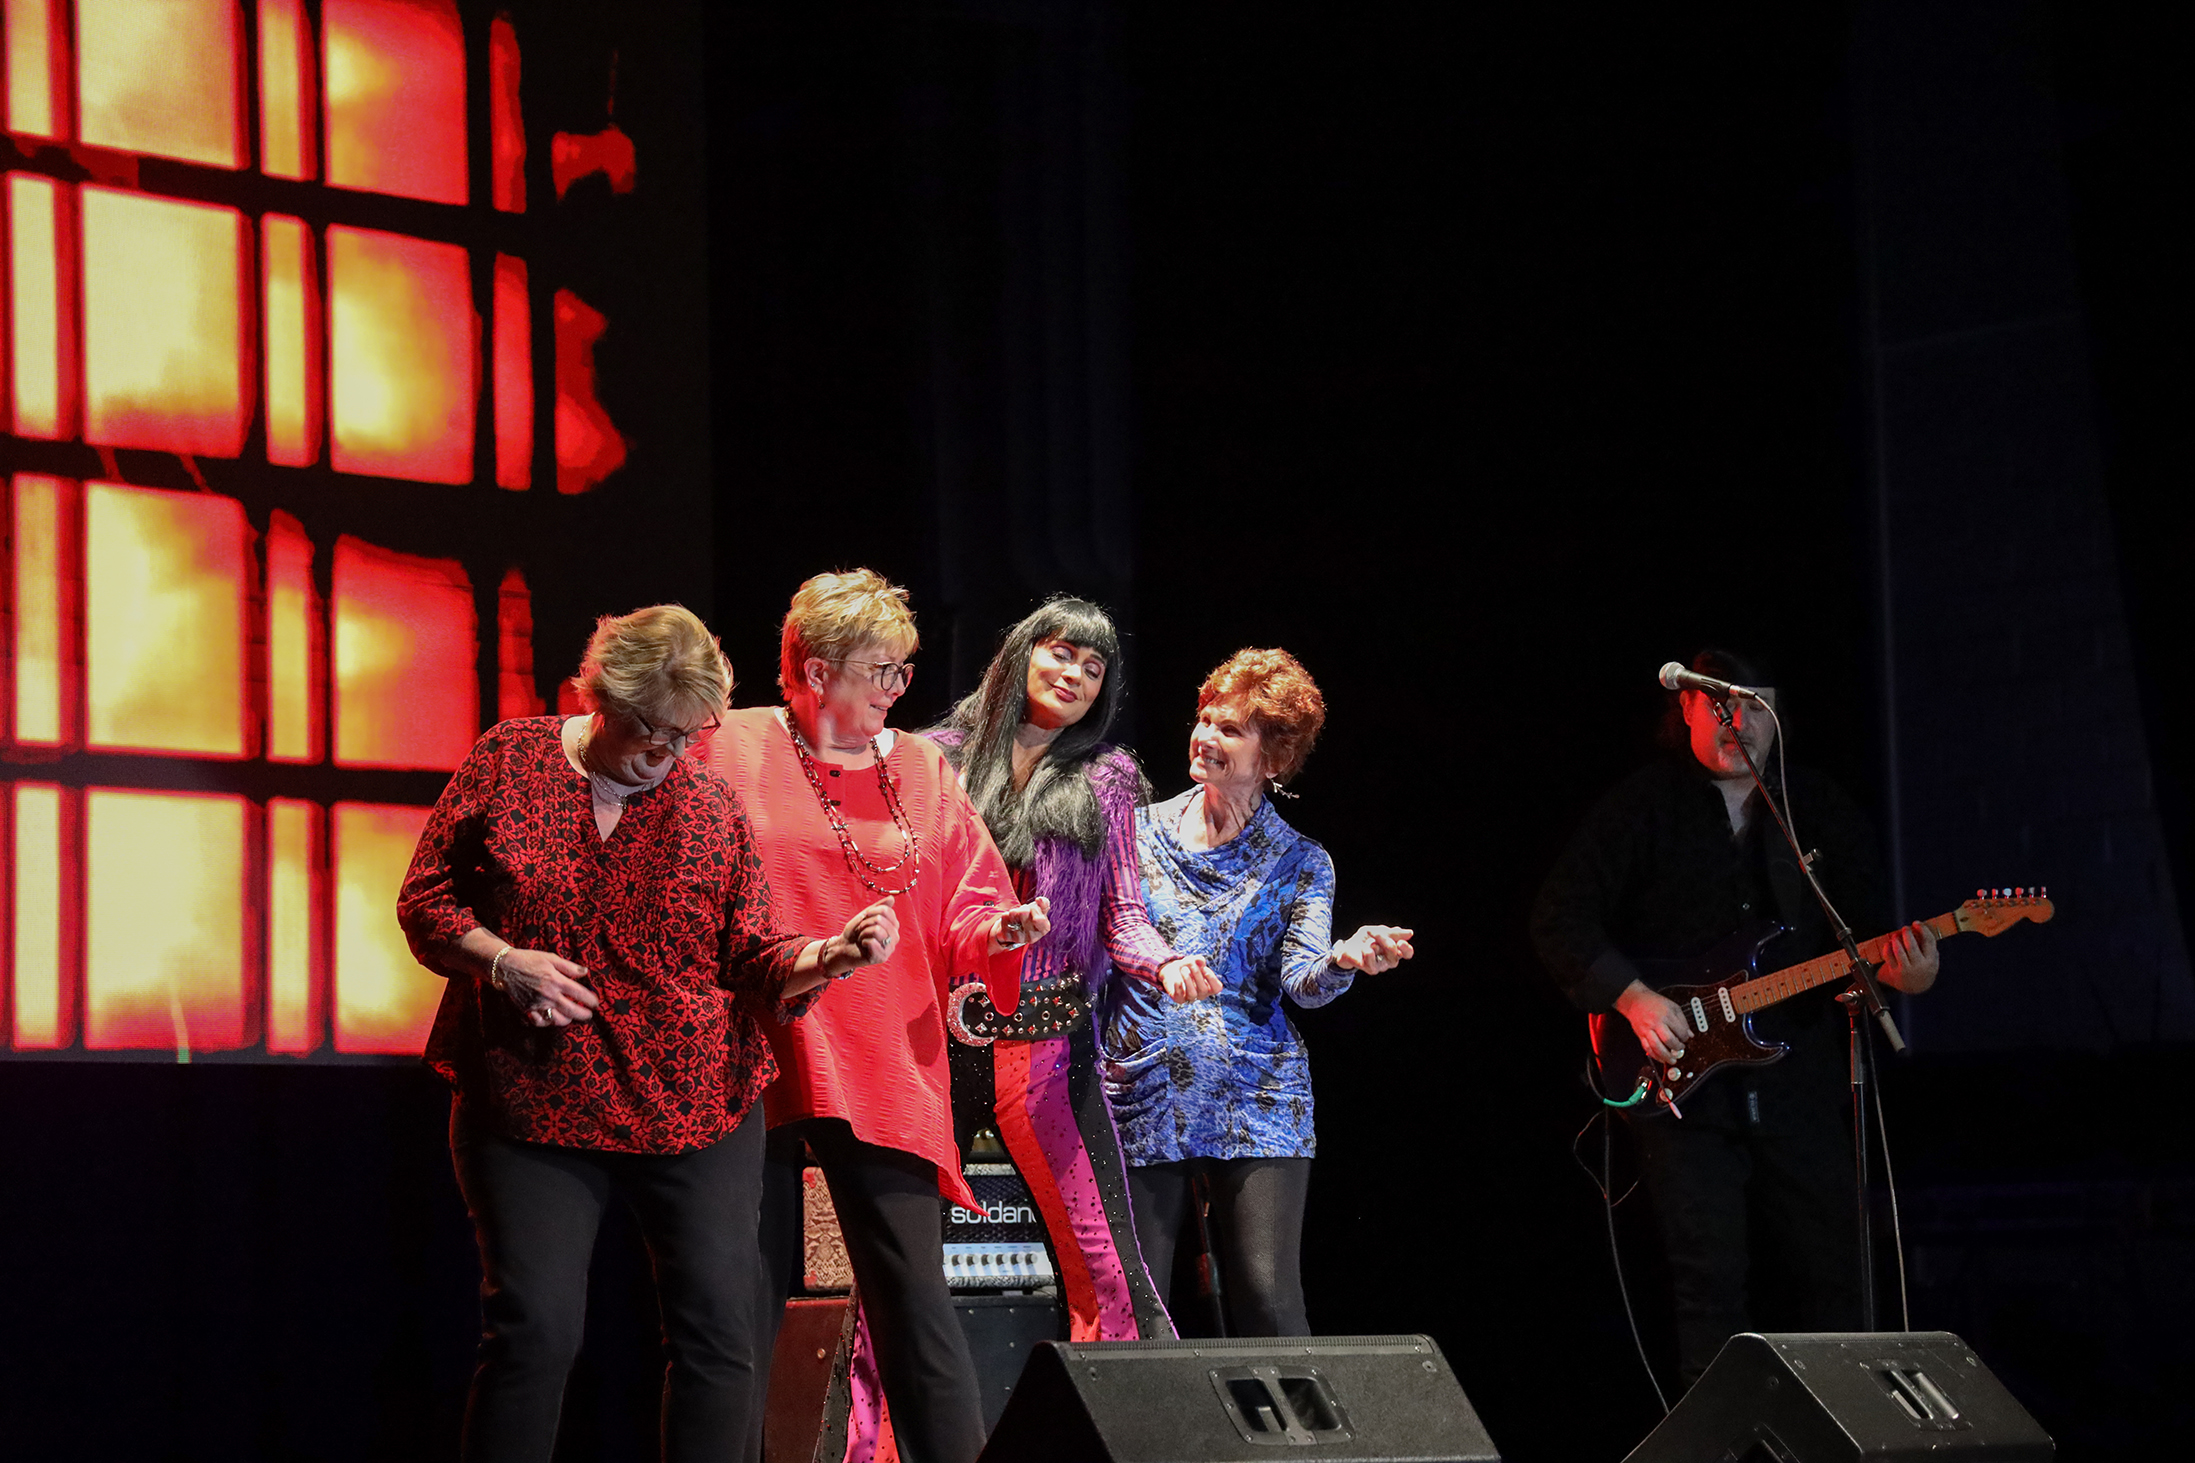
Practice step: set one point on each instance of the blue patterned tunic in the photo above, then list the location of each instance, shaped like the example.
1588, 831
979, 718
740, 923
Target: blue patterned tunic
1225, 1077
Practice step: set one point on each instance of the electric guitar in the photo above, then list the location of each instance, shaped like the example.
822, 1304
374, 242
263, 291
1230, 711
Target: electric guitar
1720, 991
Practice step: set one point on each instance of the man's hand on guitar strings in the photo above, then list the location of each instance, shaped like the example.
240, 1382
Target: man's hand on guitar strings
1657, 1021
1910, 962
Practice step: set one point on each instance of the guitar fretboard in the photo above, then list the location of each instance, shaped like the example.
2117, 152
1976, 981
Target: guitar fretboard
1766, 990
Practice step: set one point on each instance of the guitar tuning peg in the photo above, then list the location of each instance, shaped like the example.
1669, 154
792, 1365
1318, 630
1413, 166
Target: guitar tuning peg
1981, 893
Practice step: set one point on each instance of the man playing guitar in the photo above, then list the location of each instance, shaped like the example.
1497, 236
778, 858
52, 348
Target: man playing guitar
1752, 1183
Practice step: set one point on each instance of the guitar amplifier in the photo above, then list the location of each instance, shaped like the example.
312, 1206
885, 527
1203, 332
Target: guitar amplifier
996, 1247
999, 1245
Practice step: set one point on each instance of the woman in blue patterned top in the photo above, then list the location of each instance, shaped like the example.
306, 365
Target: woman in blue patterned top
1222, 1086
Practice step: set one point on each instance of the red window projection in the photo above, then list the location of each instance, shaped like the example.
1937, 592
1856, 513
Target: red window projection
41, 307
405, 356
295, 653
43, 1001
384, 1000
36, 48
297, 997
407, 646
160, 624
43, 517
506, 127
576, 155
395, 78
162, 77
286, 135
514, 376
164, 336
515, 691
165, 963
588, 445
164, 577
290, 323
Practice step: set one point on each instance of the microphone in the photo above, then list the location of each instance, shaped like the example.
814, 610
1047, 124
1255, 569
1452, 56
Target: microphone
1674, 677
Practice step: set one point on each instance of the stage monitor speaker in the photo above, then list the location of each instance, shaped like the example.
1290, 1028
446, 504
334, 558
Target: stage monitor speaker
1390, 1398
1837, 1396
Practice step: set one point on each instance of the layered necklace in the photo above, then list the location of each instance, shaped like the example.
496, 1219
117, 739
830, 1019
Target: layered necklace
868, 872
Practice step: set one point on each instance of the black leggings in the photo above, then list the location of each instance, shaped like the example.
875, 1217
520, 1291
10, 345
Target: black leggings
1257, 1216
536, 1208
887, 1203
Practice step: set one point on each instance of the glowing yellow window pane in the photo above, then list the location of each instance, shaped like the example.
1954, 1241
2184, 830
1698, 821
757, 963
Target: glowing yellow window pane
41, 609
285, 116
163, 324
292, 333
41, 1007
164, 922
35, 49
164, 620
384, 1000
395, 75
406, 356
407, 647
294, 641
161, 77
44, 365
296, 1006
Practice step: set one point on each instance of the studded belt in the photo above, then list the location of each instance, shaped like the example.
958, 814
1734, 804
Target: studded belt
1051, 1007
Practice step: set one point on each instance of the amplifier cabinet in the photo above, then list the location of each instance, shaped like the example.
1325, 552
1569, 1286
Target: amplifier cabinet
998, 1245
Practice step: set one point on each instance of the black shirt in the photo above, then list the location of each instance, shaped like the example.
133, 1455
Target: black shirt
1655, 873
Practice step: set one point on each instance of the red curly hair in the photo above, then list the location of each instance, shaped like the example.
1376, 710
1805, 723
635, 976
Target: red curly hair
1278, 698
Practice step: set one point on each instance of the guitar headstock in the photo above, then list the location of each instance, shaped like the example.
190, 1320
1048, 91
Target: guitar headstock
1992, 911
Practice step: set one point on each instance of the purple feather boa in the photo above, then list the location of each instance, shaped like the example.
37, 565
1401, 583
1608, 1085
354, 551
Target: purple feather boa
1071, 879
1074, 882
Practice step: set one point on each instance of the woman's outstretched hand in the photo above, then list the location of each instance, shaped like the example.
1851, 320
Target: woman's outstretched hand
1188, 979
1374, 948
1024, 924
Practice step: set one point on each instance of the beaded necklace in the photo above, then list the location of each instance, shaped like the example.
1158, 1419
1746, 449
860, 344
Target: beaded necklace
910, 857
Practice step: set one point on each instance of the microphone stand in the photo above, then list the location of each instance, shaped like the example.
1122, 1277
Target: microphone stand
1863, 992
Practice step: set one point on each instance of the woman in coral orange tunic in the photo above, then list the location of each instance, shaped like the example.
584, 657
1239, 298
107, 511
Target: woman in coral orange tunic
845, 812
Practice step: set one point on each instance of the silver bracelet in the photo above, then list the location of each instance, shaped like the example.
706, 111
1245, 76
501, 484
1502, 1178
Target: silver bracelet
495, 970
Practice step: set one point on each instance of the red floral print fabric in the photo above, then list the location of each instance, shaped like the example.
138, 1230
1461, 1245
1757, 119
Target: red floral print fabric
671, 915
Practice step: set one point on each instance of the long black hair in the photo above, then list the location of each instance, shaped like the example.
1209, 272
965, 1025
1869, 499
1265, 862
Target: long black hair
1058, 802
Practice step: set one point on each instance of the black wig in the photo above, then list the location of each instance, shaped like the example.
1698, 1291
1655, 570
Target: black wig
1058, 802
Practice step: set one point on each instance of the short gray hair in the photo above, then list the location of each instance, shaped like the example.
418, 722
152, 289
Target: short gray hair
659, 665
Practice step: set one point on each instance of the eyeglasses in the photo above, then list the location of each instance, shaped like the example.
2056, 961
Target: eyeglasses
676, 741
891, 676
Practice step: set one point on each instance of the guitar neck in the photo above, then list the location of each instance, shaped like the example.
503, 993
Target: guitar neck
1783, 984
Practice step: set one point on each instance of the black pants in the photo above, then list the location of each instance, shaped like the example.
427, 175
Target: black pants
535, 1208
1759, 1227
887, 1203
1257, 1213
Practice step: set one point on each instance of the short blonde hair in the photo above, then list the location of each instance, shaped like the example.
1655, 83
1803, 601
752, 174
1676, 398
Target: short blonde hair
832, 615
659, 665
1279, 699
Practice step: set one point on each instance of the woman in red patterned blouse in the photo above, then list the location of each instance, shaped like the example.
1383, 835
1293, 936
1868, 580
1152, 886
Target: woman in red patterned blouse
592, 896
844, 811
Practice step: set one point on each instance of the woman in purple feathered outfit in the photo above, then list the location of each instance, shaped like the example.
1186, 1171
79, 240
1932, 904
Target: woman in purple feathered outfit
1060, 803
